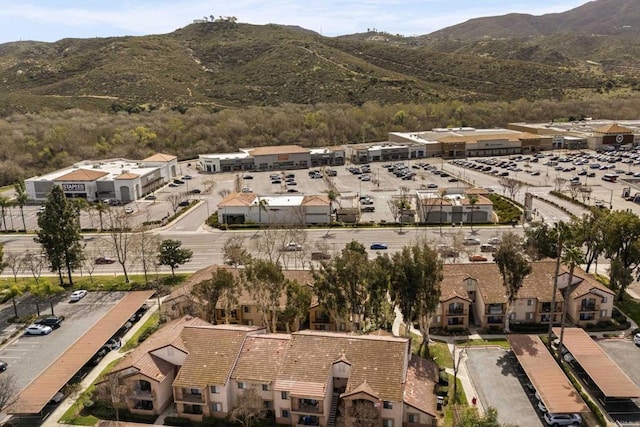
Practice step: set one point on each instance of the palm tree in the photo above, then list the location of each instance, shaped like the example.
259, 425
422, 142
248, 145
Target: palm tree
5, 203
441, 197
473, 201
572, 256
21, 199
101, 208
333, 196
262, 205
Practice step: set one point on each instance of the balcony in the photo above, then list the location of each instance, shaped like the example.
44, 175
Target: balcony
307, 406
142, 394
589, 307
494, 309
191, 398
456, 311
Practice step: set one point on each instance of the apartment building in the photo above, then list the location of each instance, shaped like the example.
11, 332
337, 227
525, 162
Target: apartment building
303, 378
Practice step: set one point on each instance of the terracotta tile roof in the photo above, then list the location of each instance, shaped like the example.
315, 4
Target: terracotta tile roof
159, 157
362, 388
613, 128
557, 393
311, 354
452, 286
127, 175
212, 354
604, 372
538, 284
315, 200
35, 396
419, 390
278, 149
151, 366
82, 175
586, 284
481, 191
238, 199
261, 358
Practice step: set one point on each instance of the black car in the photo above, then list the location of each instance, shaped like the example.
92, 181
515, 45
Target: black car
54, 321
184, 203
195, 191
3, 366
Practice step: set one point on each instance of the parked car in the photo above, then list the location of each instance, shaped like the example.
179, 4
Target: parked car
494, 241
3, 366
562, 419
378, 246
636, 339
432, 185
187, 177
318, 256
57, 398
35, 329
173, 184
368, 209
77, 295
247, 177
292, 247
178, 181
53, 321
485, 247
105, 260
113, 344
477, 258
128, 210
195, 191
470, 241
184, 203
150, 197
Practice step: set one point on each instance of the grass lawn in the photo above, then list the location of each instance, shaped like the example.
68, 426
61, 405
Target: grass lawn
502, 342
439, 352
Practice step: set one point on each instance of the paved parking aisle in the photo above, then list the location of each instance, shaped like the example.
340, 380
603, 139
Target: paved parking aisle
494, 373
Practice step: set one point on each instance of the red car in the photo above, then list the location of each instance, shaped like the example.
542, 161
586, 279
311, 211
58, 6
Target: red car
477, 258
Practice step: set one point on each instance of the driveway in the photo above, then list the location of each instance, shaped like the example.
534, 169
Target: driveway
499, 383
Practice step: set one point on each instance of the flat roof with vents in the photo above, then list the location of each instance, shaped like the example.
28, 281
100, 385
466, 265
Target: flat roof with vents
33, 398
603, 371
553, 386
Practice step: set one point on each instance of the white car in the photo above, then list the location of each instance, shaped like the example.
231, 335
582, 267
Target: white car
292, 247
562, 419
636, 339
77, 295
469, 241
38, 329
128, 210
494, 241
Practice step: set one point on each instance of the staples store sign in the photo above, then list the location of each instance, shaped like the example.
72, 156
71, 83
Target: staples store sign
73, 188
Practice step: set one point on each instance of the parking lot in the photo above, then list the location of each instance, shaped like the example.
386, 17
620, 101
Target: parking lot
501, 384
29, 355
626, 355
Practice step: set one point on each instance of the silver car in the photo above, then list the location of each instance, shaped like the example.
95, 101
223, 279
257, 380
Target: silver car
36, 329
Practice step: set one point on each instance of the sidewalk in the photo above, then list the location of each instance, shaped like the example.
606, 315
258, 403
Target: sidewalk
52, 419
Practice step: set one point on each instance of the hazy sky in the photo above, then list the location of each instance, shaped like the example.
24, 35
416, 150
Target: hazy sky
51, 20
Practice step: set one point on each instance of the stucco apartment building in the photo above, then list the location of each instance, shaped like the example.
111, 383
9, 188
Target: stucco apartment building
473, 295
303, 378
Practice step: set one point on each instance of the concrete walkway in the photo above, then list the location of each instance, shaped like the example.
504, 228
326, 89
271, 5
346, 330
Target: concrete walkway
52, 419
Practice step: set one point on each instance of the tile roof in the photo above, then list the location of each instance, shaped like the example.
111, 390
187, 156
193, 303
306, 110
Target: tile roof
311, 355
159, 157
362, 388
315, 200
168, 335
587, 284
613, 128
82, 175
538, 284
603, 371
212, 353
278, 149
238, 199
419, 390
127, 175
261, 357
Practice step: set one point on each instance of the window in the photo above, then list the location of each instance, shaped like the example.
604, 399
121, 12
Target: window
284, 413
216, 407
529, 302
214, 389
284, 395
145, 385
414, 418
265, 387
529, 316
387, 423
603, 313
267, 404
604, 300
387, 405
246, 309
241, 386
195, 391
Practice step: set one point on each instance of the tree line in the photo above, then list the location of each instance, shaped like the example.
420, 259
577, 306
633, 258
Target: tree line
31, 144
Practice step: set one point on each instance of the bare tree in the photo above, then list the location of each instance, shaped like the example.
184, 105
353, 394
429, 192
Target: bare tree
119, 238
88, 261
511, 187
35, 263
585, 193
113, 392
146, 246
8, 390
15, 262
560, 183
358, 413
174, 200
249, 407
224, 192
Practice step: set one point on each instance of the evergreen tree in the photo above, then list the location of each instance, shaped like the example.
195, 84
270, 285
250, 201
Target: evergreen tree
59, 234
172, 254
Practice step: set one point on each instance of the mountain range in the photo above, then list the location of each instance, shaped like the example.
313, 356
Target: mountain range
589, 49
